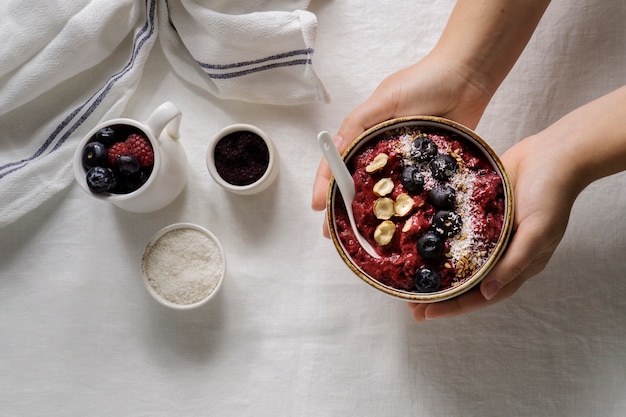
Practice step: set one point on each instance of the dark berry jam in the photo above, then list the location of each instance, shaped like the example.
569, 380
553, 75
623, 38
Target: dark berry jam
241, 158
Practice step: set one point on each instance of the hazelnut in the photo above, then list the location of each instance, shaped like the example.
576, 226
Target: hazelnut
404, 204
384, 208
407, 224
378, 163
383, 187
384, 232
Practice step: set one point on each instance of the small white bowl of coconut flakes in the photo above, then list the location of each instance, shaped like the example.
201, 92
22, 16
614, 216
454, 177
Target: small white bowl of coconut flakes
183, 266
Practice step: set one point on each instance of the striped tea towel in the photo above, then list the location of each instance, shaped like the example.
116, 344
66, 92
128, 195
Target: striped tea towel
66, 66
269, 50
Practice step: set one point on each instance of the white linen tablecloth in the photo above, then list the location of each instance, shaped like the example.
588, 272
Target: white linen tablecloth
293, 332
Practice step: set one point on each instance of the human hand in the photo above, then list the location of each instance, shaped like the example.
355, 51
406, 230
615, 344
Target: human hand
435, 86
544, 191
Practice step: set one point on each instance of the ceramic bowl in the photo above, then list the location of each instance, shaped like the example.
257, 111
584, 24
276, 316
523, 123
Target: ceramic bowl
183, 266
229, 160
380, 280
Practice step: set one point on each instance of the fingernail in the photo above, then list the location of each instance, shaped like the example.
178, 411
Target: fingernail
491, 289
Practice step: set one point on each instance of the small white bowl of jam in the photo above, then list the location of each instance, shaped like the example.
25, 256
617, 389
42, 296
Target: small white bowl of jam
242, 159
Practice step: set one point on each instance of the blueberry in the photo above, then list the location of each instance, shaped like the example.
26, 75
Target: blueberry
443, 167
94, 154
100, 180
443, 197
127, 164
447, 223
427, 280
107, 135
412, 179
423, 149
130, 183
430, 246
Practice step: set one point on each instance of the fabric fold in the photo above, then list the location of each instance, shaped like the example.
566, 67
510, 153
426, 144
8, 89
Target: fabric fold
64, 74
45, 111
261, 57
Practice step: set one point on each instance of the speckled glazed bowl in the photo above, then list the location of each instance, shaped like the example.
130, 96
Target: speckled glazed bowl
471, 228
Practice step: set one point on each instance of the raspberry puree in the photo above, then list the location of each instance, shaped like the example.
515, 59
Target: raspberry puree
478, 199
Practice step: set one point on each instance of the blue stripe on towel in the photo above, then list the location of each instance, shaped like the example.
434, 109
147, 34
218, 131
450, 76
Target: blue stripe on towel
289, 54
93, 102
214, 70
258, 69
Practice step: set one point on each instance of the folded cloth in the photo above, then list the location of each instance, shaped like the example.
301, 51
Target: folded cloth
258, 56
66, 66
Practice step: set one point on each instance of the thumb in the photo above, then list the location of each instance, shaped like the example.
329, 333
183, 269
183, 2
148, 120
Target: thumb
377, 108
516, 263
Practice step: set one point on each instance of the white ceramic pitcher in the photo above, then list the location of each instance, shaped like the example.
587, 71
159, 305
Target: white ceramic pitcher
169, 172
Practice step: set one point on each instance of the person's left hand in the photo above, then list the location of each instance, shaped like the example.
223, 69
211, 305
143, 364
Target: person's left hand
437, 85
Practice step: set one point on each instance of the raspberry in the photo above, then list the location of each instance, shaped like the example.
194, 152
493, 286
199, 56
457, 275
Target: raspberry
115, 151
139, 146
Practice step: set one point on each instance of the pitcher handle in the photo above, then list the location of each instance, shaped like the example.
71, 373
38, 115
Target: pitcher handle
166, 116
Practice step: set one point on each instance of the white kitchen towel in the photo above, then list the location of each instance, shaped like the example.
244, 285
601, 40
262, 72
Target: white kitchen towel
258, 56
66, 66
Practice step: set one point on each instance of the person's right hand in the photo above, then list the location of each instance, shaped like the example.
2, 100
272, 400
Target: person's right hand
435, 86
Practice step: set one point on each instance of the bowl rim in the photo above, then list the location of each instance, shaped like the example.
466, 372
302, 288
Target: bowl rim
268, 176
155, 238
507, 225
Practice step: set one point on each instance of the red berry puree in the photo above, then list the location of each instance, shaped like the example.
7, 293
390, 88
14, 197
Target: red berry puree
429, 201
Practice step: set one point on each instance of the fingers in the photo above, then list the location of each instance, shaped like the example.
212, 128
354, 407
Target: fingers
360, 119
353, 125
371, 112
523, 250
466, 303
322, 178
521, 261
320, 186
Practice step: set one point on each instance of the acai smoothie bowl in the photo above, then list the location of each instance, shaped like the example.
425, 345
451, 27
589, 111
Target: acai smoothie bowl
433, 199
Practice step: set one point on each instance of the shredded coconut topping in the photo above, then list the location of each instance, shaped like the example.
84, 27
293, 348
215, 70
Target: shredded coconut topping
467, 249
184, 266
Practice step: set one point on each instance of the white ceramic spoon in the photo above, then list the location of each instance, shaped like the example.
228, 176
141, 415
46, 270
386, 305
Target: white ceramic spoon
345, 183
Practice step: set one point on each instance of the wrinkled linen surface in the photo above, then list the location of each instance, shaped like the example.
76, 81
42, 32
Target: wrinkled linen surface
65, 66
293, 332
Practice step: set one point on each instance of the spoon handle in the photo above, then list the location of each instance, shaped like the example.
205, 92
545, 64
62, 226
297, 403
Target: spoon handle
339, 168
345, 183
